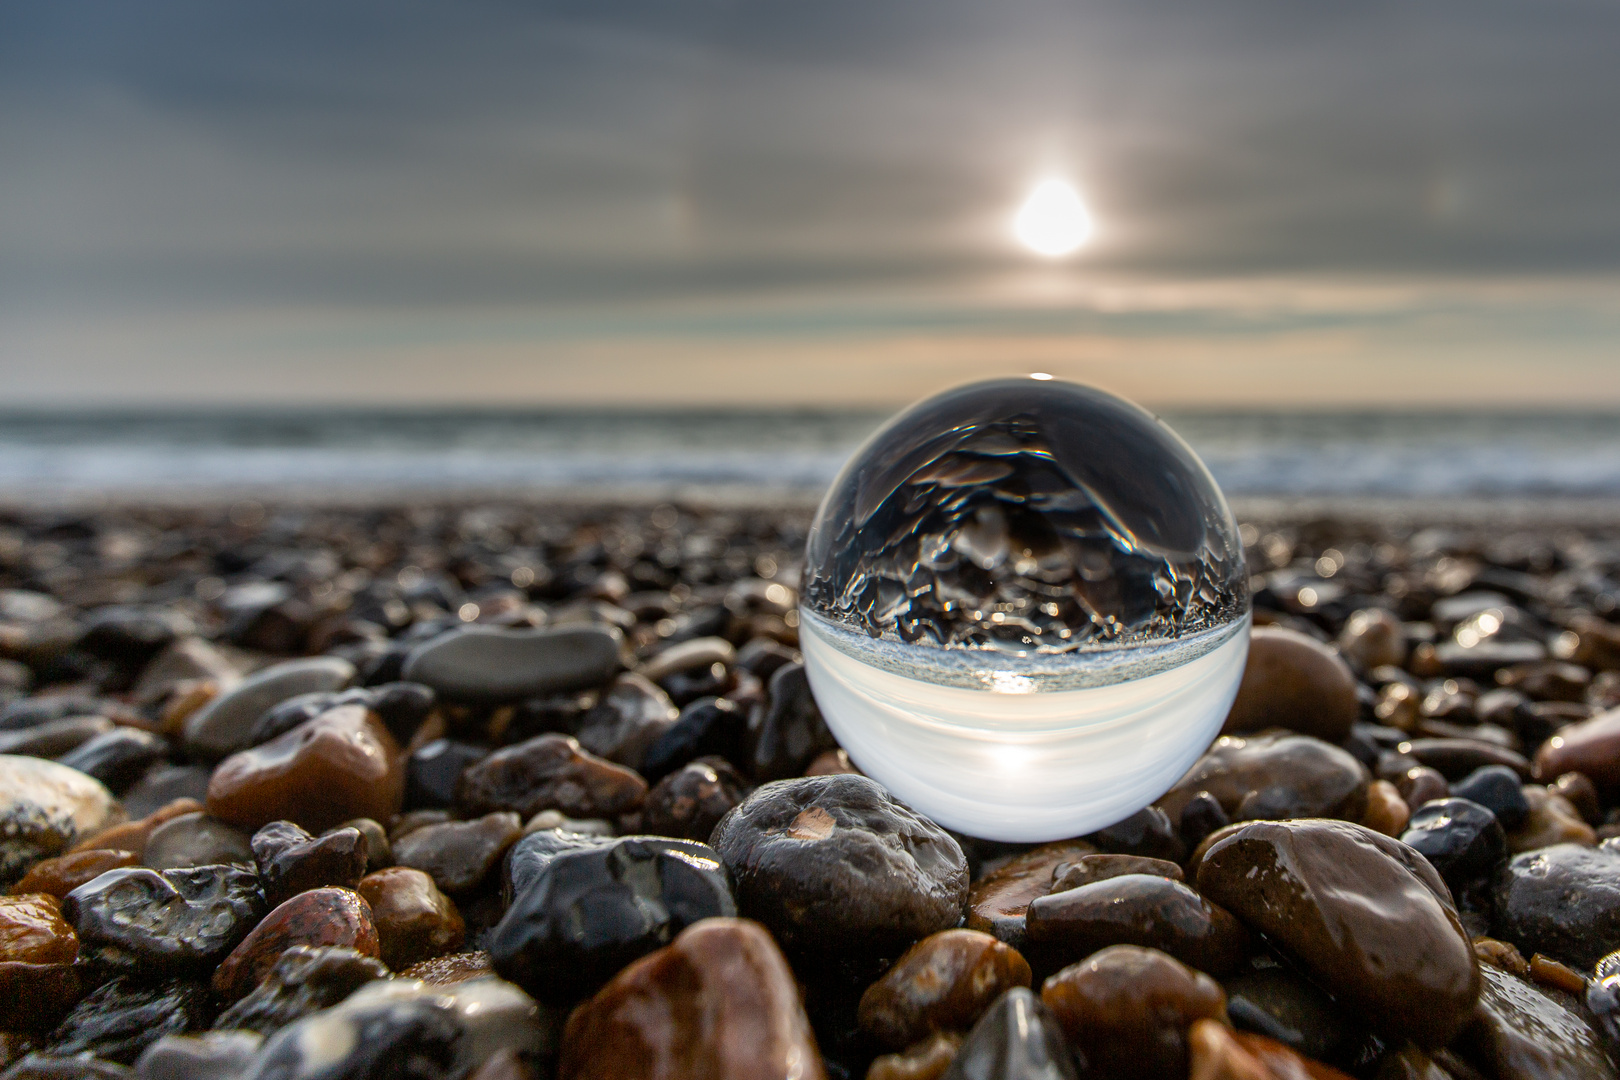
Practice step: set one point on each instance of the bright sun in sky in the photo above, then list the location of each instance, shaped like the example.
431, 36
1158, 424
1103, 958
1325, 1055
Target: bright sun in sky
1053, 221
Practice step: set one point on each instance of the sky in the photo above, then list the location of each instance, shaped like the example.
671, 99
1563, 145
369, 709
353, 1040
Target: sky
1390, 203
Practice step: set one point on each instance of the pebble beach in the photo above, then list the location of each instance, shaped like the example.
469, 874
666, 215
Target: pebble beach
507, 789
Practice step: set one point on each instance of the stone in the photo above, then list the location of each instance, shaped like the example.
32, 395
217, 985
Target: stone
305, 979
1591, 747
403, 707
460, 854
163, 784
135, 835
1365, 914
379, 852
454, 968
41, 1066
687, 656
211, 1055
54, 737
718, 1001
1200, 816
1461, 839
1089, 868
1497, 788
1234, 1053
184, 660
317, 917
342, 764
222, 727
945, 982
548, 772
557, 820
1581, 793
1293, 681
689, 802
32, 931
414, 920
118, 757
1552, 820
1135, 909
1563, 901
1520, 1031
532, 854
291, 861
835, 867
1148, 833
1126, 1010
1386, 811
495, 665
196, 839
1371, 638
44, 808
1271, 777
1016, 1039
1280, 1004
587, 913
790, 731
1456, 758
125, 1016
1421, 784
174, 922
708, 727
399, 1027
131, 634
998, 901
35, 997
433, 769
64, 873
631, 716
926, 1060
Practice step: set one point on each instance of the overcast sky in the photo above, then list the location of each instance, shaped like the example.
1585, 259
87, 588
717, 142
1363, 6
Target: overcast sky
1403, 203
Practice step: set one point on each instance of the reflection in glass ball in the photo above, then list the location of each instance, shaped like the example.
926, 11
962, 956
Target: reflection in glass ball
1025, 608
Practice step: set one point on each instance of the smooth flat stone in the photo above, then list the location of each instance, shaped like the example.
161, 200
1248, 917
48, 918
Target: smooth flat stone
222, 727
488, 664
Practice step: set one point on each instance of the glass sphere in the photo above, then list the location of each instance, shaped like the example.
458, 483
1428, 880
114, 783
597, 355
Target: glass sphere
1025, 609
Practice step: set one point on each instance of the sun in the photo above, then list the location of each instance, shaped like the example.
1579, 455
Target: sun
1053, 220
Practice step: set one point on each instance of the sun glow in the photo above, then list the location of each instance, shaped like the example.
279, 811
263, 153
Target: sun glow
1053, 221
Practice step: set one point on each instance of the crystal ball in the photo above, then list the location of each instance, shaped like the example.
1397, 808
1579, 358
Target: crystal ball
1025, 609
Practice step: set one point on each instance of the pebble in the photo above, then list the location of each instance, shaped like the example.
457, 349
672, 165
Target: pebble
586, 913
689, 802
125, 1016
44, 808
1456, 758
1219, 1054
196, 839
414, 920
134, 835
1293, 681
943, 983
1520, 1031
35, 997
222, 727
342, 764
1591, 747
1563, 901
1365, 914
54, 737
64, 873
1581, 793
131, 634
460, 854
718, 1001
1126, 1009
631, 716
1201, 816
494, 665
1498, 789
454, 968
183, 661
303, 980
999, 900
169, 921
1090, 868
549, 772
1135, 909
163, 784
433, 769
317, 917
211, 1055
291, 861
926, 1060
708, 727
1386, 811
1271, 777
688, 656
1421, 784
1461, 839
32, 931
1553, 820
1373, 637
835, 867
118, 757
1282, 1005
1017, 1039
790, 731
532, 854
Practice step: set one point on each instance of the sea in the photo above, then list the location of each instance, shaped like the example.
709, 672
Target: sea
781, 455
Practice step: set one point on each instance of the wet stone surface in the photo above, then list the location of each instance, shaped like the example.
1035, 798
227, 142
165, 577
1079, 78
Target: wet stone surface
1271, 777
291, 861
1018, 1038
1135, 909
125, 1016
304, 979
173, 921
44, 808
459, 855
548, 772
1460, 838
414, 920
690, 801
493, 664
318, 917
1562, 900
943, 983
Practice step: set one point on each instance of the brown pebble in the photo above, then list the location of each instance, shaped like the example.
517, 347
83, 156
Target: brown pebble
1410, 1063
1274, 776
1591, 747
549, 772
1549, 972
459, 854
32, 930
1295, 682
64, 873
1421, 784
942, 983
1127, 1009
1373, 637
1386, 812
927, 1060
317, 917
1501, 954
33, 997
132, 835
1582, 795
1214, 1053
1283, 1062
414, 920
829, 762
998, 901
718, 1001
451, 969
1137, 909
689, 802
1090, 868
341, 764
1552, 821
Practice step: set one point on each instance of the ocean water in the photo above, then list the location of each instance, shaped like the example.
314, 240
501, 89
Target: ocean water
787, 454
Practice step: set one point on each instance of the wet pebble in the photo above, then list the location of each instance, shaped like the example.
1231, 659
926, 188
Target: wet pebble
414, 920
1386, 811
1520, 1031
1461, 839
549, 772
1456, 758
223, 726
118, 757
1091, 868
196, 839
54, 737
1280, 1004
491, 665
1552, 820
291, 861
689, 802
1135, 909
1148, 833
125, 1016
1293, 681
44, 808
925, 1060
718, 1001
630, 718
1270, 777
211, 1055
35, 997
708, 727
835, 867
317, 917
303, 980
452, 968
170, 921
460, 854
64, 873
998, 901
1498, 789
1017, 1039
942, 983
1373, 637
433, 769
1562, 900
790, 732
32, 930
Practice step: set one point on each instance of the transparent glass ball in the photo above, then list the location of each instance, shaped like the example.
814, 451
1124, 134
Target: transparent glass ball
1025, 609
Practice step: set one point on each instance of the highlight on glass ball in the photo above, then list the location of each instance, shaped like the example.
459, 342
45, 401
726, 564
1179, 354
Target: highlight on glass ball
1025, 608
